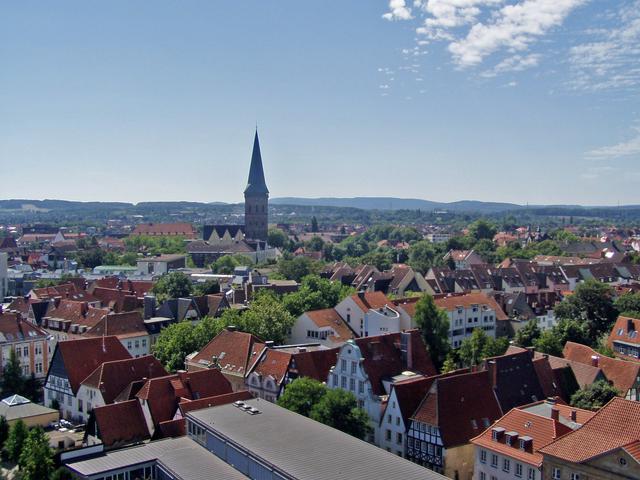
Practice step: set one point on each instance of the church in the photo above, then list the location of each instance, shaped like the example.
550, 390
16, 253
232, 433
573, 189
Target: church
250, 239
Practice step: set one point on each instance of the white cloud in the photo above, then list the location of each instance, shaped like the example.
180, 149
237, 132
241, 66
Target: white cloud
612, 59
384, 87
398, 11
515, 63
513, 28
444, 15
512, 84
622, 149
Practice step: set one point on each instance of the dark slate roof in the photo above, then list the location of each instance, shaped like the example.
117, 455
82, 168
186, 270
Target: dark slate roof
256, 184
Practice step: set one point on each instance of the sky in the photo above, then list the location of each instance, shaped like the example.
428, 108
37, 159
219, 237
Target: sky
524, 101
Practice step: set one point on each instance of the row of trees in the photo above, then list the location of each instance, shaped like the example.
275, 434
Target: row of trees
334, 407
269, 317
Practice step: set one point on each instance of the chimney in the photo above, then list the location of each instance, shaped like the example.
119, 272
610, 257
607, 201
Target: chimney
630, 326
574, 415
149, 306
232, 328
269, 343
555, 414
531, 351
594, 360
361, 294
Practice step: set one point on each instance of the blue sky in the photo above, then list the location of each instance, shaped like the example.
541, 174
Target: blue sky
501, 100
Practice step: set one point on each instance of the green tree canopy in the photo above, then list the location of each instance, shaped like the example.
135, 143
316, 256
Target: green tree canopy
552, 341
206, 288
15, 442
277, 238
267, 318
298, 267
433, 323
315, 244
174, 343
423, 255
591, 304
315, 293
482, 229
479, 346
339, 409
4, 431
527, 335
594, 396
628, 305
302, 394
36, 462
314, 224
172, 285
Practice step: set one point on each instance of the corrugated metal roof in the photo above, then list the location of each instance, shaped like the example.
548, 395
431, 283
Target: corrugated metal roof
303, 448
182, 456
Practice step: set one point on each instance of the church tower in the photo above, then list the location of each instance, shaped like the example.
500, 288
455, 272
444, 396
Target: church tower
256, 198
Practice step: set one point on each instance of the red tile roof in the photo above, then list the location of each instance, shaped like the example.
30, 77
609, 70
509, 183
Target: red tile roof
69, 310
121, 423
383, 358
235, 351
467, 300
328, 317
180, 228
625, 331
273, 363
460, 406
542, 430
315, 364
13, 327
163, 394
123, 325
621, 373
614, 426
409, 394
113, 377
115, 299
81, 357
371, 300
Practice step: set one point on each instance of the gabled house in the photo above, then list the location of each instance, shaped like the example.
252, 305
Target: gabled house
128, 327
108, 381
624, 339
369, 366
462, 259
607, 447
71, 363
324, 326
32, 344
510, 447
231, 351
370, 313
623, 375
455, 409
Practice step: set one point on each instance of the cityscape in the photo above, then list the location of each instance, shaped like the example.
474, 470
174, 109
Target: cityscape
337, 297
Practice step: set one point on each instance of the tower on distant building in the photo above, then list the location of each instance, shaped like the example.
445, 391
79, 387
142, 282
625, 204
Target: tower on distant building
256, 198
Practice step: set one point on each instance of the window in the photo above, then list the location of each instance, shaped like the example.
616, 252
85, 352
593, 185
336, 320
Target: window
144, 343
343, 365
575, 476
389, 418
354, 365
137, 343
410, 442
506, 464
129, 345
398, 421
352, 384
494, 460
25, 351
518, 470
343, 382
531, 474
335, 380
360, 386
483, 456
387, 434
79, 405
483, 476
399, 438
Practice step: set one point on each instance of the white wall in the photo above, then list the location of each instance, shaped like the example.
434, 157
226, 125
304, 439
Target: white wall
303, 325
392, 428
498, 472
137, 346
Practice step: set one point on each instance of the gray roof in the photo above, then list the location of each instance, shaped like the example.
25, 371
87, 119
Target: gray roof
303, 448
182, 456
256, 184
15, 407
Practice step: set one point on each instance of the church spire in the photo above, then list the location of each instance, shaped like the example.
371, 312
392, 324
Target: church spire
256, 184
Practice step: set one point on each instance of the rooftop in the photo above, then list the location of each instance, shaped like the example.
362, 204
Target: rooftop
303, 448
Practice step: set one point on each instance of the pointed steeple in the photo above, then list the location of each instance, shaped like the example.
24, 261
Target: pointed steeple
256, 184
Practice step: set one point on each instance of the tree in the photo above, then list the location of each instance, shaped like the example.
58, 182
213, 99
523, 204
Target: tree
302, 394
594, 396
381, 259
339, 409
277, 238
62, 474
315, 244
91, 258
174, 343
314, 224
36, 462
267, 318
479, 346
4, 431
482, 229
422, 256
449, 364
172, 285
298, 267
433, 323
15, 441
552, 341
12, 380
315, 293
207, 288
527, 335
628, 305
591, 304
